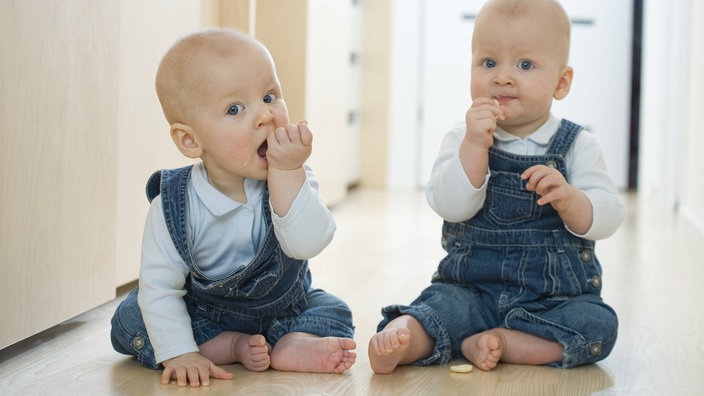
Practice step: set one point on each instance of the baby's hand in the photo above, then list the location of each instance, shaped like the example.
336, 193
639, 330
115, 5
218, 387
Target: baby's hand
551, 185
481, 122
192, 368
290, 146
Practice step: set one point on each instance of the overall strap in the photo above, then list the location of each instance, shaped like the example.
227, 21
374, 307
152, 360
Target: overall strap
564, 137
172, 185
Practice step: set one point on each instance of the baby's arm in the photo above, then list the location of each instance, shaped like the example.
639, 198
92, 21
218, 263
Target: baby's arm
571, 204
289, 148
302, 222
161, 288
457, 185
192, 369
308, 227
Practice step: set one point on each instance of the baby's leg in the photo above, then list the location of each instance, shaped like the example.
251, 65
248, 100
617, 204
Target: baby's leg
487, 348
402, 341
234, 347
304, 352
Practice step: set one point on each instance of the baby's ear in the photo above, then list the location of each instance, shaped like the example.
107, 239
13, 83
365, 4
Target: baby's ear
186, 140
564, 83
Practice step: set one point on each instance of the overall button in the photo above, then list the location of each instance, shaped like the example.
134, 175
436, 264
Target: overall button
138, 342
585, 255
595, 281
595, 349
551, 164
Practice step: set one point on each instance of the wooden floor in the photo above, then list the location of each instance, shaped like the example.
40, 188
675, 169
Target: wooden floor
385, 250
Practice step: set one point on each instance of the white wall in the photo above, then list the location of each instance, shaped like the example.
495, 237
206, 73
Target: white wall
692, 202
404, 103
663, 103
671, 140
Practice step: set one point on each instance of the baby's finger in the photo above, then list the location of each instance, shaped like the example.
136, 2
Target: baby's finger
535, 173
489, 105
294, 134
181, 376
484, 101
305, 133
166, 375
529, 172
280, 136
547, 198
204, 376
220, 373
194, 376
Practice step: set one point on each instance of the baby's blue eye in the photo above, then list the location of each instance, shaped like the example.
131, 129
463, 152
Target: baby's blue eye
269, 98
235, 109
525, 65
489, 63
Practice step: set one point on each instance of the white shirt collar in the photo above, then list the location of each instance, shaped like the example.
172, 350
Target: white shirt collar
218, 203
540, 136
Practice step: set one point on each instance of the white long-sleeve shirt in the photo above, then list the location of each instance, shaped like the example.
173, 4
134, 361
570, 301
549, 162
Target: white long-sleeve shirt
450, 193
226, 235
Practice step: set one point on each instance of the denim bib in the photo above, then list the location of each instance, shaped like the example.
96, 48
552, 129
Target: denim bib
271, 282
515, 249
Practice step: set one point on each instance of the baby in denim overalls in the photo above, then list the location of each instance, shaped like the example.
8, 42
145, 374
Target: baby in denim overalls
524, 195
224, 275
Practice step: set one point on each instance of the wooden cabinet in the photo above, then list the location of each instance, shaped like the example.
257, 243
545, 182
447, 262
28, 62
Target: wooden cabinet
57, 147
80, 131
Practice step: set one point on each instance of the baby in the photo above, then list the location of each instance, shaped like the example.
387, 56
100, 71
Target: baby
224, 275
524, 195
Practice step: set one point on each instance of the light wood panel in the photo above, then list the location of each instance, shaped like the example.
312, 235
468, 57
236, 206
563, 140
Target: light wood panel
376, 67
144, 144
81, 130
385, 250
58, 133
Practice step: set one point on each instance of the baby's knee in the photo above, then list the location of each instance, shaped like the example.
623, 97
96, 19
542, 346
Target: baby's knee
128, 333
598, 334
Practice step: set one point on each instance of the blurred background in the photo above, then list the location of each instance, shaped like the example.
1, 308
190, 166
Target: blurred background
380, 81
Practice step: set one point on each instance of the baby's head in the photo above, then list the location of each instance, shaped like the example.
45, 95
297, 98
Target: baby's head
520, 50
221, 96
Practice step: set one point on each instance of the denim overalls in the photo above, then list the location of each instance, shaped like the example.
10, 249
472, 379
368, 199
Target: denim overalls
270, 296
514, 265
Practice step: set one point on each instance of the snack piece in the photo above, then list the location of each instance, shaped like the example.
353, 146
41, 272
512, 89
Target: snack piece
462, 368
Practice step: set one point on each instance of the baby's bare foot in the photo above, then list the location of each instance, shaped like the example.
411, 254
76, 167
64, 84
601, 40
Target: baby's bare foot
303, 352
484, 350
387, 349
251, 350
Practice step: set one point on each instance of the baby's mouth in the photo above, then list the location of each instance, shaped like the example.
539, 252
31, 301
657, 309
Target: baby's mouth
261, 151
503, 99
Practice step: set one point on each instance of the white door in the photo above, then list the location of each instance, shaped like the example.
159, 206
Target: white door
600, 94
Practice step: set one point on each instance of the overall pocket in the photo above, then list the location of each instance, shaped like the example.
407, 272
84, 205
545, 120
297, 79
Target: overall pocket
507, 200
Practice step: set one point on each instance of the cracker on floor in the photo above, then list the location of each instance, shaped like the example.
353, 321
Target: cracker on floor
462, 368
